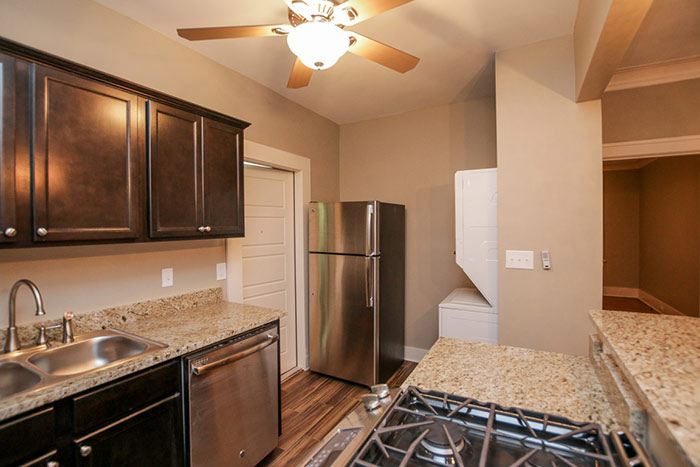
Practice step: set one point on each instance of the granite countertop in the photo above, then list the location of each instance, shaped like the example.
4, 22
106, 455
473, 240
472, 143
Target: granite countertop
547, 382
184, 323
660, 356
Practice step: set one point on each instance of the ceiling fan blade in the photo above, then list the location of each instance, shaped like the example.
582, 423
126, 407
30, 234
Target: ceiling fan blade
300, 77
231, 32
361, 10
382, 53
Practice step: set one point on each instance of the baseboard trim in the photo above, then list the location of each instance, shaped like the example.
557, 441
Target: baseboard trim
624, 292
414, 354
657, 304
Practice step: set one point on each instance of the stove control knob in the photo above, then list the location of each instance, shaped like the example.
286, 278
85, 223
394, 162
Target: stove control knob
381, 390
371, 402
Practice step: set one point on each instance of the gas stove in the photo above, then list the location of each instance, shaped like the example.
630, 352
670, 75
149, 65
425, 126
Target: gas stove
428, 428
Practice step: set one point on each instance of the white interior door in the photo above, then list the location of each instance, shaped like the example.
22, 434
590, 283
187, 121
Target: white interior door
268, 251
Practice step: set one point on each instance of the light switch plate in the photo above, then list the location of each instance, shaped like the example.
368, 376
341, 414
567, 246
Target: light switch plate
167, 277
220, 271
520, 259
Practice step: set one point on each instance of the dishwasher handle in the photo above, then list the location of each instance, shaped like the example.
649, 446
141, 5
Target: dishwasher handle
201, 369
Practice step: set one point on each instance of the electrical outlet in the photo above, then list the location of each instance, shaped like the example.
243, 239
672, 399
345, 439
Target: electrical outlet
519, 259
220, 271
167, 277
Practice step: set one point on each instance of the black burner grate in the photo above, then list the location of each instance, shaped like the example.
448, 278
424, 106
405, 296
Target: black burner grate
431, 428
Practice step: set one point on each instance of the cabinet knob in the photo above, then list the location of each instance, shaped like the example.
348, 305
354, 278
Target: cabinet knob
85, 450
10, 232
41, 232
207, 229
52, 464
202, 229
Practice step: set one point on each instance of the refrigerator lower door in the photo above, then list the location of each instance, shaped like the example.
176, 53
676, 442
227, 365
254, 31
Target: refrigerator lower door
342, 316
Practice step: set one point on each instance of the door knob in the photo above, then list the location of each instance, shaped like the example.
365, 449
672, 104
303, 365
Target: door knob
10, 232
41, 232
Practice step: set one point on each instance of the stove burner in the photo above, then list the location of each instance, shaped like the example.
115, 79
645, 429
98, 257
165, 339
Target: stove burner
436, 441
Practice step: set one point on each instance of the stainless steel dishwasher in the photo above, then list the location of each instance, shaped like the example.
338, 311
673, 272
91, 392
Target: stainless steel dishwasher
232, 403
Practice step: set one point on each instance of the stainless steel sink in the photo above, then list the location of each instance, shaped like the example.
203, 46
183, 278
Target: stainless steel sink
39, 367
87, 355
15, 378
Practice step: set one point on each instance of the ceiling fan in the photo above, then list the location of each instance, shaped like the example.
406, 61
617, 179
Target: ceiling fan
317, 36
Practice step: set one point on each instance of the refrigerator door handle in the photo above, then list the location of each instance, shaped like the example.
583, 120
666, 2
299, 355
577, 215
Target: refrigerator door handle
369, 282
370, 229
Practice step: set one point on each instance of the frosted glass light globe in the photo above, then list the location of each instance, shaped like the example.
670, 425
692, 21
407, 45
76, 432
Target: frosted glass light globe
317, 44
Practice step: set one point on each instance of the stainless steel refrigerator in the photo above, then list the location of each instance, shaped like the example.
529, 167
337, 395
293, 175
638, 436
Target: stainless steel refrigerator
356, 289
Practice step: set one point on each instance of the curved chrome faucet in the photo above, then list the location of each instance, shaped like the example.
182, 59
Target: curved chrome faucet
12, 341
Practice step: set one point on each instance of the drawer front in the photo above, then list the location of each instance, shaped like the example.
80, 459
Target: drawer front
113, 401
30, 436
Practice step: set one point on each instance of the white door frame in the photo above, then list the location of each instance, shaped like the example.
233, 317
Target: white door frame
301, 168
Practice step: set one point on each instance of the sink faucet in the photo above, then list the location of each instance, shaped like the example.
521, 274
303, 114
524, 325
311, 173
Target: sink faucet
12, 341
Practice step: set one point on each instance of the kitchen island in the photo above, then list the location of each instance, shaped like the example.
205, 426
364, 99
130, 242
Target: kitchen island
548, 382
659, 358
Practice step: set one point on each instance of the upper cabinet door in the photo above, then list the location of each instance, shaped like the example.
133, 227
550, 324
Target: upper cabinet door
174, 172
222, 178
85, 159
8, 217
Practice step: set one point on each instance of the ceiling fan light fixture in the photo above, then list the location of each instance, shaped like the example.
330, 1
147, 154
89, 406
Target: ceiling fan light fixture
318, 44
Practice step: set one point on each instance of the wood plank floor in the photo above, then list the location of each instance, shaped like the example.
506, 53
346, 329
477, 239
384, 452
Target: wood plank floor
312, 405
627, 304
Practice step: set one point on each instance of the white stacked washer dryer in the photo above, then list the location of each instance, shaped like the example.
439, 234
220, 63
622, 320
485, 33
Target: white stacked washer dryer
472, 313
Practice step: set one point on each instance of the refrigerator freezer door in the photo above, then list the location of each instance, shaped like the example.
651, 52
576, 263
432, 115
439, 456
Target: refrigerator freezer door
342, 327
348, 228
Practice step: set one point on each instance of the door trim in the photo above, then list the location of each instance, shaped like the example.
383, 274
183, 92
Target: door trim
301, 168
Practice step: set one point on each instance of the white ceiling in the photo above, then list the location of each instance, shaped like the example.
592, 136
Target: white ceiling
455, 40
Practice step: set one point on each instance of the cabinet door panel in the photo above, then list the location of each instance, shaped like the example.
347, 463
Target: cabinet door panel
222, 174
152, 436
8, 218
175, 197
85, 159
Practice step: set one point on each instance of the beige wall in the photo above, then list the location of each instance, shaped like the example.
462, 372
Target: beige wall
411, 159
88, 278
670, 232
83, 278
661, 111
621, 191
550, 198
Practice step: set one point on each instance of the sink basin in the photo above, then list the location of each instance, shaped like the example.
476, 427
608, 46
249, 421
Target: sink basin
88, 354
16, 378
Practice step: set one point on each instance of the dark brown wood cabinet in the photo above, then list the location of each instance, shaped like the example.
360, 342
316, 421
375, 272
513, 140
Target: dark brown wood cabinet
8, 200
195, 175
174, 171
150, 436
222, 177
85, 159
136, 420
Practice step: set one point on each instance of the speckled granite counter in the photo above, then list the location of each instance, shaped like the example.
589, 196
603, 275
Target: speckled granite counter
542, 381
184, 323
660, 357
